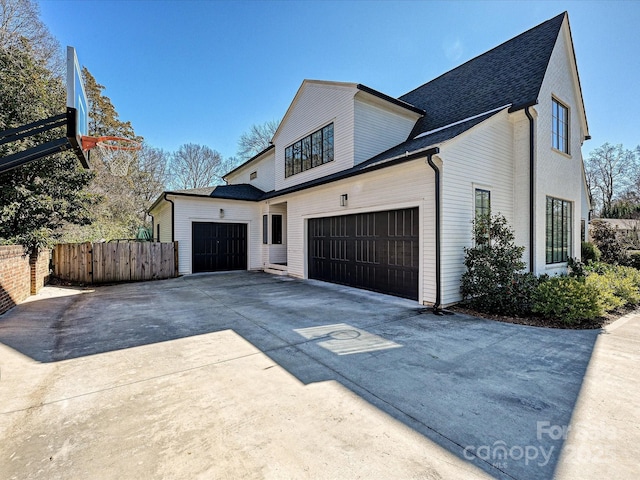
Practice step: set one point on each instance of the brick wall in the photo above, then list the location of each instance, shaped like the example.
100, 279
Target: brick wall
15, 276
21, 276
39, 270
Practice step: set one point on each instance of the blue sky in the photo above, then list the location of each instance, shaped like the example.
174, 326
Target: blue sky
205, 71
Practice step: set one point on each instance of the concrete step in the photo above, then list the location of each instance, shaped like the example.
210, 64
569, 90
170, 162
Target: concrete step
276, 271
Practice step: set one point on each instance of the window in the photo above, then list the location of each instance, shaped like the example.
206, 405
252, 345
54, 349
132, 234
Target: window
558, 230
253, 175
483, 202
309, 152
560, 127
276, 229
265, 229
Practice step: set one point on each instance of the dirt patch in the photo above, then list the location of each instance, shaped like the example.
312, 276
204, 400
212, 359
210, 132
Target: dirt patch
534, 321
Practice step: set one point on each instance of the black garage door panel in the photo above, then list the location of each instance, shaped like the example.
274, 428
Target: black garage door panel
377, 251
219, 246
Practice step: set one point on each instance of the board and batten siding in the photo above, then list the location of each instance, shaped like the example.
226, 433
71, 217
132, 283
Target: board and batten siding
479, 158
317, 104
378, 129
265, 170
557, 174
195, 209
410, 184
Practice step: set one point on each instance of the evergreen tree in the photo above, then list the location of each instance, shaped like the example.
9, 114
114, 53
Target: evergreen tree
38, 198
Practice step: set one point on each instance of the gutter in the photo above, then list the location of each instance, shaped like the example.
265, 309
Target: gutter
532, 173
437, 309
173, 222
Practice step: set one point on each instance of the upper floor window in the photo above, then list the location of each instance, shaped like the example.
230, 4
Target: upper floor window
560, 127
311, 151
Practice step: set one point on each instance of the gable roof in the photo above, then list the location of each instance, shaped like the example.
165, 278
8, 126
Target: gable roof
511, 73
242, 191
244, 164
410, 150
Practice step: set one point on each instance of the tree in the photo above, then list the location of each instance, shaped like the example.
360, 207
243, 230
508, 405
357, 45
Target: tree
609, 170
36, 199
196, 166
103, 117
20, 22
124, 201
256, 139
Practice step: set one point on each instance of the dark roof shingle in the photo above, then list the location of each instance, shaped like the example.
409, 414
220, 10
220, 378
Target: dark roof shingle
511, 73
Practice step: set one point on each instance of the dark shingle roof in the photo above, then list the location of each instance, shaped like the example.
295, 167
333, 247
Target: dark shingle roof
511, 73
241, 191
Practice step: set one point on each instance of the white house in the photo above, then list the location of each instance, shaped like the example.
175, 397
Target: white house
363, 189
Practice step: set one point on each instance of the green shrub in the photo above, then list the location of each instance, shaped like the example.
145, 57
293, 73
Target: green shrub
567, 299
633, 260
590, 252
605, 287
492, 282
610, 246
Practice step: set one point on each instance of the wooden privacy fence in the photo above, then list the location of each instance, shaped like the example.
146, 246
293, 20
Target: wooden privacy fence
115, 262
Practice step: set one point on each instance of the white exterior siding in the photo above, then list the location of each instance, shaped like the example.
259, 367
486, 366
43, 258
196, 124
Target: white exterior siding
265, 170
480, 158
162, 217
521, 181
557, 174
200, 209
377, 129
278, 252
316, 105
407, 185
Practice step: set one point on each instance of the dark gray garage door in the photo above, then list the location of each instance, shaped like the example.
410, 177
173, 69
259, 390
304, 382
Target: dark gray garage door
377, 251
219, 246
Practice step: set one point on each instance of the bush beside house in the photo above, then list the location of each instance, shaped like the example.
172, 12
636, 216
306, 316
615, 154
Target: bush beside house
494, 282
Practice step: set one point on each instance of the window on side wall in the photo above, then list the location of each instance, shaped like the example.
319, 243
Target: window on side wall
482, 210
483, 202
558, 230
309, 152
560, 127
265, 229
276, 229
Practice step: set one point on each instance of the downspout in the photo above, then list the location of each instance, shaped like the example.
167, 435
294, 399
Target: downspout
172, 217
437, 305
532, 183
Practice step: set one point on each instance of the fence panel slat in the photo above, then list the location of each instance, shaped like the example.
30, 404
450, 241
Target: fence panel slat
115, 262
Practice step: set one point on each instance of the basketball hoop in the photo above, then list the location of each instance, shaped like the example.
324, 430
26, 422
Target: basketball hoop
116, 152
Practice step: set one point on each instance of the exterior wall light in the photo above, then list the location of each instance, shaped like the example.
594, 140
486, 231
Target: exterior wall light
343, 200
222, 213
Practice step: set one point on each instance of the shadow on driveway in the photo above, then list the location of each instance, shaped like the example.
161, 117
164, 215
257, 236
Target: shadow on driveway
496, 395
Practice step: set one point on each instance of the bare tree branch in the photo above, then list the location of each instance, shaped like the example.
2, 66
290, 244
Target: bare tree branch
195, 166
256, 139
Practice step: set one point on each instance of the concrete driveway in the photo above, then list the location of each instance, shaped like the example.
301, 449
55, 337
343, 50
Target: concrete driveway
247, 375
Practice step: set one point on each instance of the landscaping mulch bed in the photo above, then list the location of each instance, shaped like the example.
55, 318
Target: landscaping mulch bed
547, 322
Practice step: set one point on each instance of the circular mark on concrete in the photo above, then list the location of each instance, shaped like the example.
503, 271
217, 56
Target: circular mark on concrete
344, 334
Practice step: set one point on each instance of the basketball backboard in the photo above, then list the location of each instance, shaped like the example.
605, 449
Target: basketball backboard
78, 125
